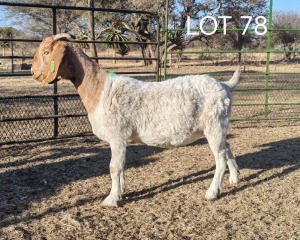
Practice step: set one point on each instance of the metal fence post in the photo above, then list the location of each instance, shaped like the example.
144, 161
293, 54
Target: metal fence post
158, 67
12, 54
55, 97
166, 38
267, 79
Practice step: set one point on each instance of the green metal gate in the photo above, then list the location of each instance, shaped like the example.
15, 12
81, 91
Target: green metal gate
260, 96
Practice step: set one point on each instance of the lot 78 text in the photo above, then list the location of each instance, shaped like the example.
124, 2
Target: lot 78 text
259, 29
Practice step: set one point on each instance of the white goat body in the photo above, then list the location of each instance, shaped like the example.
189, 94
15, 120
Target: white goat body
168, 114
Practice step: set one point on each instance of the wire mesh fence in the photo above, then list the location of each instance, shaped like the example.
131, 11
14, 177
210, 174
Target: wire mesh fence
32, 118
283, 97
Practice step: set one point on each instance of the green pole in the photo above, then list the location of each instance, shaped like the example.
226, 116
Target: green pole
166, 38
266, 110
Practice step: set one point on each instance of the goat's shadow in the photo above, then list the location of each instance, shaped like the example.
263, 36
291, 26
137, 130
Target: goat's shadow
44, 180
281, 154
41, 176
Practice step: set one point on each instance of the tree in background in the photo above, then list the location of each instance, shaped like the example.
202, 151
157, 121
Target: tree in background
38, 22
116, 34
288, 39
179, 10
236, 9
142, 27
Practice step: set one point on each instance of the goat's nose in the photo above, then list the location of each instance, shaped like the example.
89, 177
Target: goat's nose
32, 73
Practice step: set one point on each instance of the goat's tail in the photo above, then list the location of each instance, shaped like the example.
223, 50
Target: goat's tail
233, 82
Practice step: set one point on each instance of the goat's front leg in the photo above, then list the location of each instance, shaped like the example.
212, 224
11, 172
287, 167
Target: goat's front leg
118, 152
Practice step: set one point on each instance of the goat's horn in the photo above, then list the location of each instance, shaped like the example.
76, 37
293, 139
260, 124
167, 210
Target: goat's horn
62, 36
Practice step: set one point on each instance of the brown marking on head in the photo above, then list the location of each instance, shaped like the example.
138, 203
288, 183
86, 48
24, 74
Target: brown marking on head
70, 62
50, 50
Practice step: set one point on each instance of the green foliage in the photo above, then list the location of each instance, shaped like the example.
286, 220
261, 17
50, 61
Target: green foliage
117, 36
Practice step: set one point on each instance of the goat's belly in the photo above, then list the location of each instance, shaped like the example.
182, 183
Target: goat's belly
167, 141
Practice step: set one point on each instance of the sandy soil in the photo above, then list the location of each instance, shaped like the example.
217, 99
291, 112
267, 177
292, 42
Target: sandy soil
53, 189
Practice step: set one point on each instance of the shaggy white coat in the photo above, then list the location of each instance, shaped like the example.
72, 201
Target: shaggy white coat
166, 114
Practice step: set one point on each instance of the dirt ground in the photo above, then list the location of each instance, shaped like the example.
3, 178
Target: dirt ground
54, 189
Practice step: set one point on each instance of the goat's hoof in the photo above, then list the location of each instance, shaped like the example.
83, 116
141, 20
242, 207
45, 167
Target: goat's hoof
233, 180
211, 195
110, 202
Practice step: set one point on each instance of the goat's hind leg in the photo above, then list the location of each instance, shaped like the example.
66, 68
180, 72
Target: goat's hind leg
118, 152
216, 137
233, 167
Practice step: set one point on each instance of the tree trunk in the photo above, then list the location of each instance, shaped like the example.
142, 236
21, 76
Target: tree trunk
114, 56
240, 44
151, 54
144, 54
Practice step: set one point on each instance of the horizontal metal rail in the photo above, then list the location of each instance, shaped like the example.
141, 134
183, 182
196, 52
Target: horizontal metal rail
243, 74
19, 40
49, 138
75, 40
28, 74
231, 29
76, 8
42, 117
264, 104
99, 58
234, 51
10, 74
264, 119
39, 96
264, 89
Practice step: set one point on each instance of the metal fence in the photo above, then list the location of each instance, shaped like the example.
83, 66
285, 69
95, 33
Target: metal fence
30, 118
260, 95
51, 116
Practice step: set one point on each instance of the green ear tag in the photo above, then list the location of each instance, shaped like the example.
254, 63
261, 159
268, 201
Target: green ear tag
52, 67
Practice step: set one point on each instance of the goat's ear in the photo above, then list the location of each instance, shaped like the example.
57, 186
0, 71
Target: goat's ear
56, 57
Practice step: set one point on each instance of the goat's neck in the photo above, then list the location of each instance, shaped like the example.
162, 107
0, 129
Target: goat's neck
87, 78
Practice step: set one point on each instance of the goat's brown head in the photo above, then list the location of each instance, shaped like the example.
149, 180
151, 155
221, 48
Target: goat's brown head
47, 61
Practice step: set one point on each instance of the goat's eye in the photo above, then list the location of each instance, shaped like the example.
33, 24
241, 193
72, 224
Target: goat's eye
46, 53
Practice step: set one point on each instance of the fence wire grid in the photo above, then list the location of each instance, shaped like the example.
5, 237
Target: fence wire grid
31, 118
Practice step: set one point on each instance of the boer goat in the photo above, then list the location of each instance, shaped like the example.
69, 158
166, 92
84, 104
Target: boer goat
171, 113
